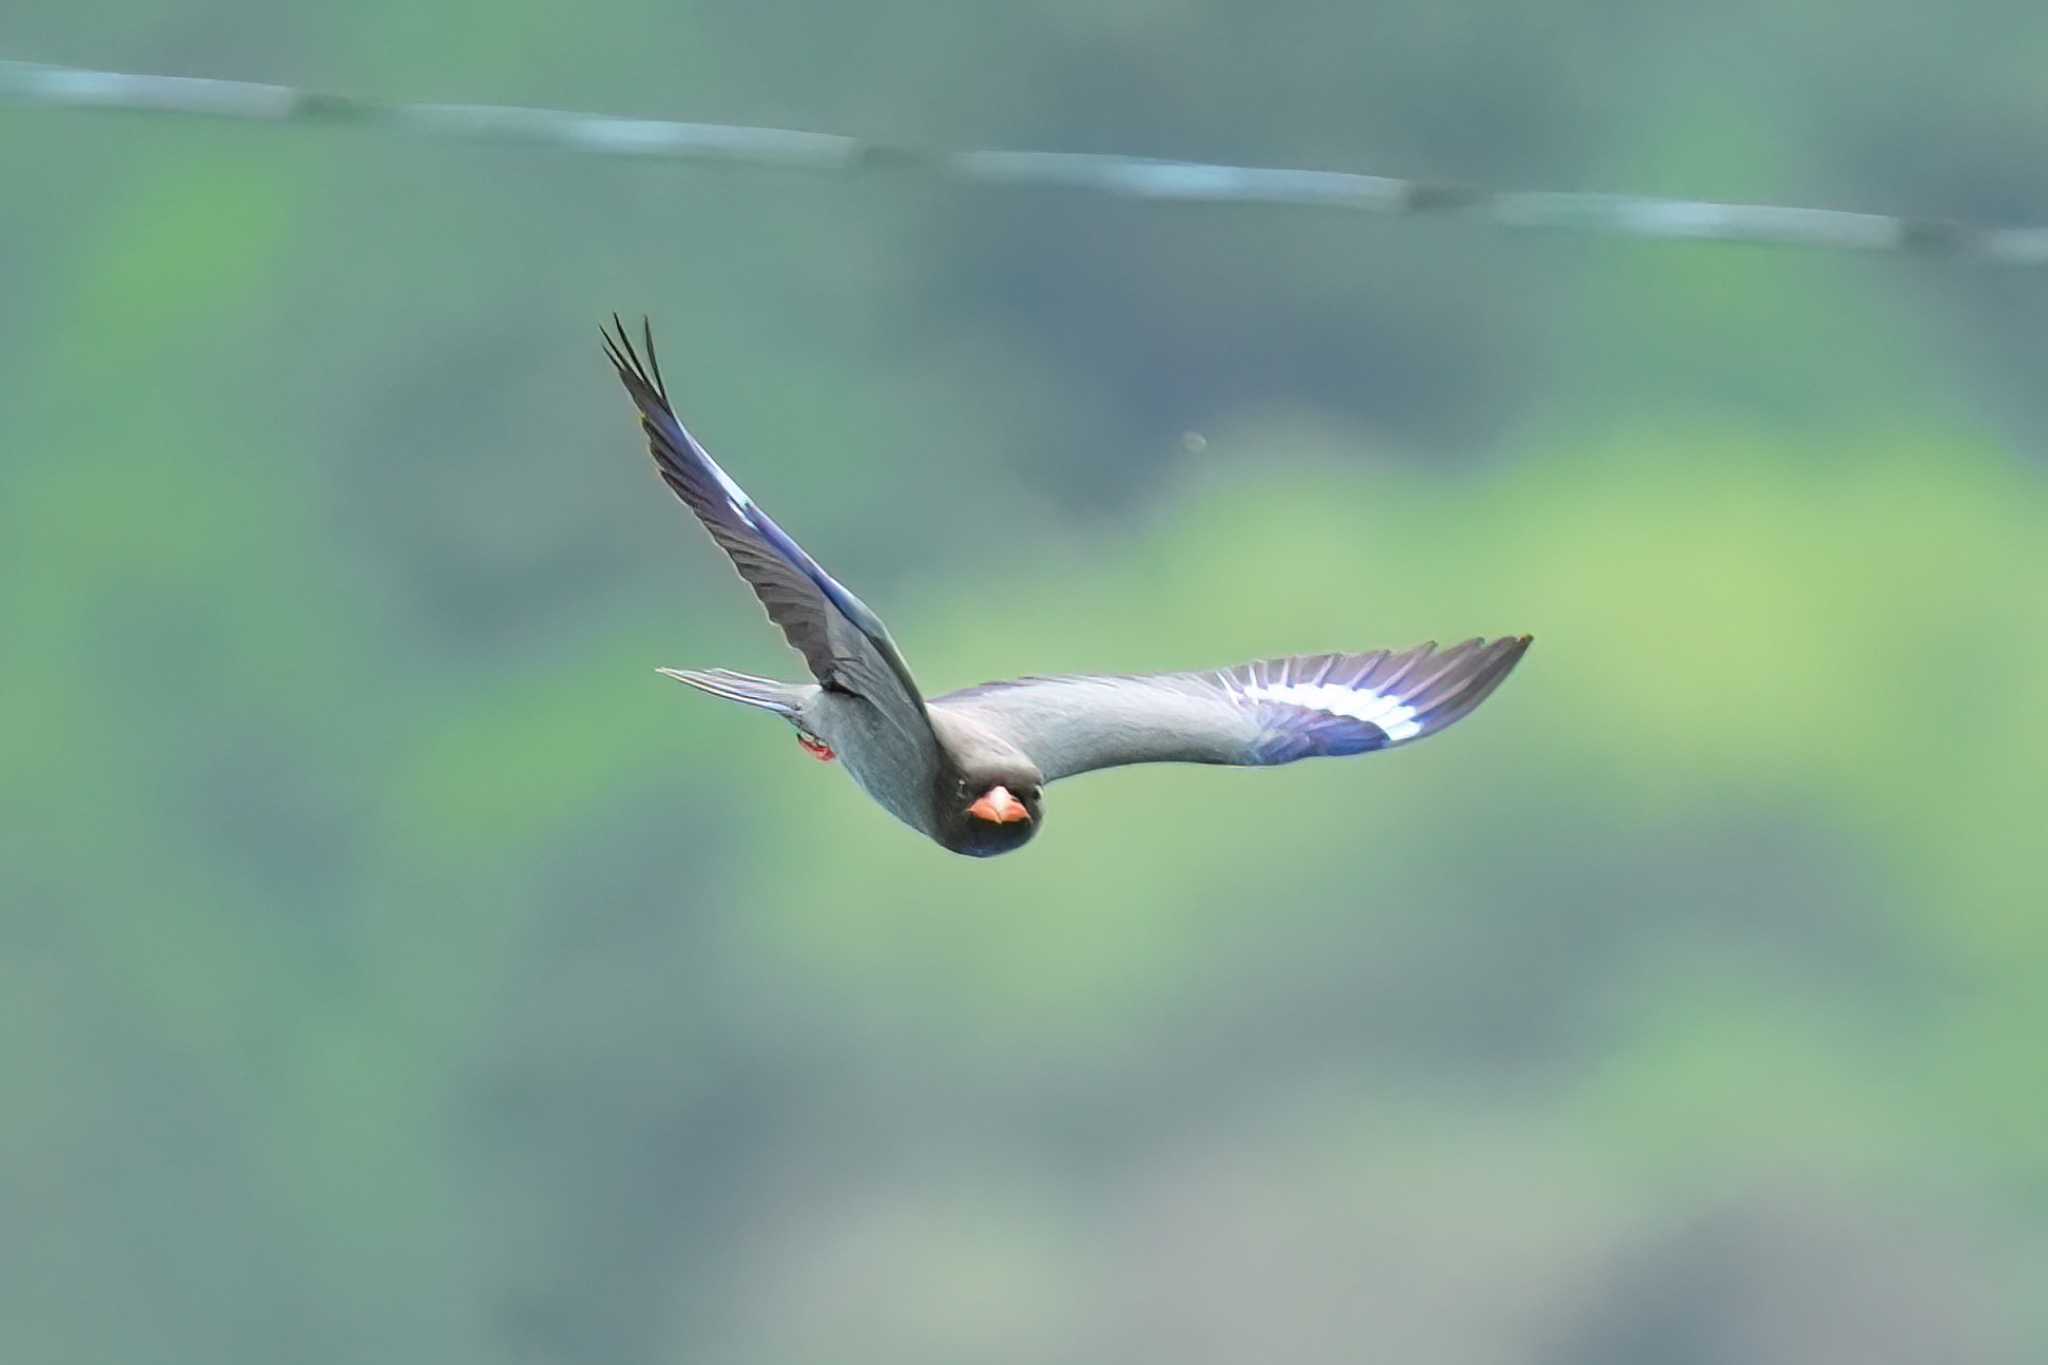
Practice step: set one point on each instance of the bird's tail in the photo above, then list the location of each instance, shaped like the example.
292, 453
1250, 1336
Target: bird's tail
784, 699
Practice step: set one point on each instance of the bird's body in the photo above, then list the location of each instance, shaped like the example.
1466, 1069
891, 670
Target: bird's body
968, 769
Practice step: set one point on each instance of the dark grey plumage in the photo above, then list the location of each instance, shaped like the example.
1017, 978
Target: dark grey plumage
968, 768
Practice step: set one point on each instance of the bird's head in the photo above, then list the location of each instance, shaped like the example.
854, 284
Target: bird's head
993, 809
986, 798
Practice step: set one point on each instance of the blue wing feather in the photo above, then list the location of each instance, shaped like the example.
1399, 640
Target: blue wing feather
701, 482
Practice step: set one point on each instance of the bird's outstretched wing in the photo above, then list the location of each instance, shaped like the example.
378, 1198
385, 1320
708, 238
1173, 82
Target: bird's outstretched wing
1272, 711
845, 643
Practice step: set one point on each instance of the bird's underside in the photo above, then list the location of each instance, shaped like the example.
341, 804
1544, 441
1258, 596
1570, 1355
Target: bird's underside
967, 768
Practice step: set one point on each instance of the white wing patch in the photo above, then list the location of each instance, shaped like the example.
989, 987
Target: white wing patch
734, 494
1358, 703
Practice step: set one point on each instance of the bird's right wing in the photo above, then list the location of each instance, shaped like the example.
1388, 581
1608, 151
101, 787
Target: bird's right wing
1272, 711
844, 642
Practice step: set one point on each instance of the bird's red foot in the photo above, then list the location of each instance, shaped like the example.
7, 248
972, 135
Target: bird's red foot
816, 748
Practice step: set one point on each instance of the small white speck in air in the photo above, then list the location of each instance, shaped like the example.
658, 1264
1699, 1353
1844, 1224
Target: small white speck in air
1361, 704
1193, 442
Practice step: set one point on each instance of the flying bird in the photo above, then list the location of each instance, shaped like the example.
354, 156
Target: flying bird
969, 769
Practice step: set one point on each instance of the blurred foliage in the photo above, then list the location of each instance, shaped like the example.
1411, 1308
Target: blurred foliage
395, 968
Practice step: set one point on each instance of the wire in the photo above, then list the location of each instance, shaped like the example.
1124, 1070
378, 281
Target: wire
38, 85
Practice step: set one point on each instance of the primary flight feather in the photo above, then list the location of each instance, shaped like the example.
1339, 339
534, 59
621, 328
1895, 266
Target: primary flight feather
968, 769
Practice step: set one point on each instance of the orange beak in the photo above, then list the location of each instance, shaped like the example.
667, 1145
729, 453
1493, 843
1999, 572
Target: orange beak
998, 807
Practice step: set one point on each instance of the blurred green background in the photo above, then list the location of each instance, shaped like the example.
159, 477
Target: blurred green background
394, 968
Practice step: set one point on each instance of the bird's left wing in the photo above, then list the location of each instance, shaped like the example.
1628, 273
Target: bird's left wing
845, 643
1271, 711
